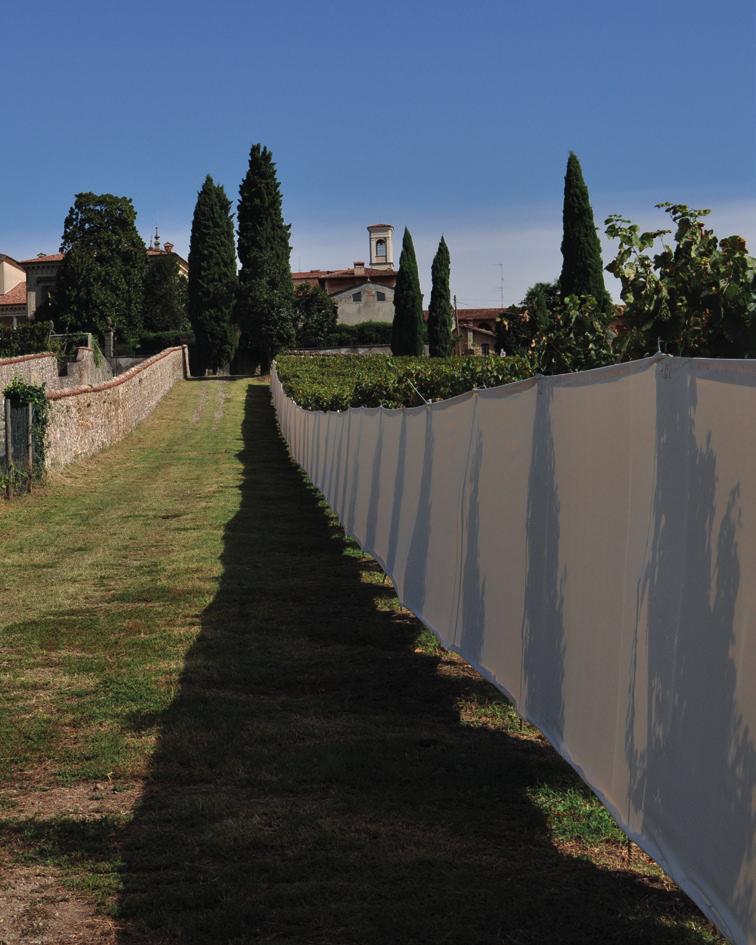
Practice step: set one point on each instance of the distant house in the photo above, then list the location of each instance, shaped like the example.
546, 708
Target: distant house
474, 329
12, 291
361, 293
26, 285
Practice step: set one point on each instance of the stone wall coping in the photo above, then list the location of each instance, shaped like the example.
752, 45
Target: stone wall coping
121, 379
4, 362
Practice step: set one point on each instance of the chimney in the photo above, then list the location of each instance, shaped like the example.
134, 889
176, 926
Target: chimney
168, 247
359, 267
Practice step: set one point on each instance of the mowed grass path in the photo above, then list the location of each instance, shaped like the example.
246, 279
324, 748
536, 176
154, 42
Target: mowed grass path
218, 726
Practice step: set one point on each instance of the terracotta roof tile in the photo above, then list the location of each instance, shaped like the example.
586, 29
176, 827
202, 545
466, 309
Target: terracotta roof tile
52, 257
467, 314
16, 296
340, 273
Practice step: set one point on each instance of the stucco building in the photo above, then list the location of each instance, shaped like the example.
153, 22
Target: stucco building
12, 291
362, 293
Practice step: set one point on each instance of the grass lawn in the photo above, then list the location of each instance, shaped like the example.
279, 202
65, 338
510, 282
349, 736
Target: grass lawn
218, 726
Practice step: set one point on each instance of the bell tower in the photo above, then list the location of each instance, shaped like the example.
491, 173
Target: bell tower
381, 246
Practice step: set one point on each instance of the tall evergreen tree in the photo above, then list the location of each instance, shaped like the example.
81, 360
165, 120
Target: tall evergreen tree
100, 281
164, 307
212, 278
407, 329
582, 269
265, 308
440, 340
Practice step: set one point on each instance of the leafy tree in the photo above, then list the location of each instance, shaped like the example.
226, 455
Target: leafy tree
582, 269
574, 334
212, 278
697, 297
265, 308
440, 339
165, 295
557, 335
316, 316
517, 327
100, 281
407, 331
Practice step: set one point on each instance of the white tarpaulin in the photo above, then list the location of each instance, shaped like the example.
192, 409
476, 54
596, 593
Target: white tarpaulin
588, 543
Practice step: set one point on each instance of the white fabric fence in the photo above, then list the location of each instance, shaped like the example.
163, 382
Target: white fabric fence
588, 543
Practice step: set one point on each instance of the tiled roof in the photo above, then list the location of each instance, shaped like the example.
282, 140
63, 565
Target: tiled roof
482, 331
53, 257
470, 314
340, 273
16, 296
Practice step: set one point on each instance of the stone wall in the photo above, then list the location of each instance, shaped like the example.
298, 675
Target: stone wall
84, 420
86, 370
31, 368
352, 349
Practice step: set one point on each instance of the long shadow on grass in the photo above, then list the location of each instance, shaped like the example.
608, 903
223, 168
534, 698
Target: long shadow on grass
313, 784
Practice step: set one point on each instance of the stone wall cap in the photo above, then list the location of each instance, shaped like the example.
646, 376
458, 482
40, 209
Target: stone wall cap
121, 379
4, 362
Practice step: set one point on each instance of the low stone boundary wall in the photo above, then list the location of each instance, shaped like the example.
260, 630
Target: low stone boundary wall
31, 368
84, 420
86, 369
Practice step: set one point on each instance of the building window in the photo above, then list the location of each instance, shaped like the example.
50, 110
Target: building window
381, 296
357, 296
380, 249
485, 348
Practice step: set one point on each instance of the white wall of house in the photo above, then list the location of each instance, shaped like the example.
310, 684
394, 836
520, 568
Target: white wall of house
10, 276
363, 303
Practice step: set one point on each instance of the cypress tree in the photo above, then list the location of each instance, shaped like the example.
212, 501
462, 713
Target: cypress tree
407, 329
265, 308
212, 278
440, 340
582, 269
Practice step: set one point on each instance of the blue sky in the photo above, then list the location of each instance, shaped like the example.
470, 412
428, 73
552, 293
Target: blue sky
443, 117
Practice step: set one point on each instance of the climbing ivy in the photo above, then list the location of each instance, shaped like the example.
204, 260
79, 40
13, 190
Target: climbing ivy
20, 393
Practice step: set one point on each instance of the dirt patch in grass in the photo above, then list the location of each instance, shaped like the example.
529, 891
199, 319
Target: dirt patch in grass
36, 909
82, 799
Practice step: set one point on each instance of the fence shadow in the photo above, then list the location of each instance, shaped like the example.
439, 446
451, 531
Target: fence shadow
312, 782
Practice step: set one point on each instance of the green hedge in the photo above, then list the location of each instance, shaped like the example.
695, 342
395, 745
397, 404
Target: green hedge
336, 382
366, 333
28, 338
153, 342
